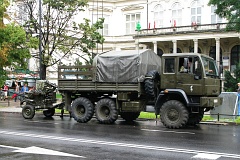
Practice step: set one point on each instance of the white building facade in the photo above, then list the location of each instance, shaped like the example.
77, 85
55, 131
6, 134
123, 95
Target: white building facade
167, 26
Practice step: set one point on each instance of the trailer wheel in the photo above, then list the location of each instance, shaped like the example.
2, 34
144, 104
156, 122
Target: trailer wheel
150, 84
82, 110
106, 111
49, 113
173, 114
28, 111
195, 118
130, 116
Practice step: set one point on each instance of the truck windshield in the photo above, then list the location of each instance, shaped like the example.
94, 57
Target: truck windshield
210, 67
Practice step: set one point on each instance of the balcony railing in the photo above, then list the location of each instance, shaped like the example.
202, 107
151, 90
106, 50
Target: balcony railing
219, 27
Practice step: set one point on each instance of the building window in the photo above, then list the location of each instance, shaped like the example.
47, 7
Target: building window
178, 50
214, 17
159, 52
176, 15
131, 22
105, 29
196, 12
158, 16
22, 15
212, 53
235, 57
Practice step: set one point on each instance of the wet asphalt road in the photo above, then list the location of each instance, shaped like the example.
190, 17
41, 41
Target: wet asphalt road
57, 138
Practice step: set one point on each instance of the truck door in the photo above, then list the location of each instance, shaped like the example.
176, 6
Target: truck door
189, 75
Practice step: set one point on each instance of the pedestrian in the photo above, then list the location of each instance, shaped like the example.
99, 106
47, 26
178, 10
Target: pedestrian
238, 90
24, 88
5, 90
15, 95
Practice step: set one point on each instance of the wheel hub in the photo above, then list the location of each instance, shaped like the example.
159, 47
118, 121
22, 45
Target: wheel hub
27, 112
173, 114
80, 110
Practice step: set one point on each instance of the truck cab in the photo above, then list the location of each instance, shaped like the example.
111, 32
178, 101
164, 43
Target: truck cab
189, 81
195, 74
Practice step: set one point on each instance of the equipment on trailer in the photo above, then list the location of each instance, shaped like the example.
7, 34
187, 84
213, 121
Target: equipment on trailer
43, 98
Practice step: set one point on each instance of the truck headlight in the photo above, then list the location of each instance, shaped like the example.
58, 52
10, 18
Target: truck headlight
215, 101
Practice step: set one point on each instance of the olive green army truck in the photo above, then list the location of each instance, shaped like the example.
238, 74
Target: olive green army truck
181, 86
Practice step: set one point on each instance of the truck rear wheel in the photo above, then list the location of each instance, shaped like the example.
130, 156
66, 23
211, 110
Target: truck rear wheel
195, 118
28, 111
130, 116
82, 110
49, 113
150, 84
174, 114
106, 111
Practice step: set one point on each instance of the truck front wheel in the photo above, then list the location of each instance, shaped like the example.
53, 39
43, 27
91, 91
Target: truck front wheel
82, 110
174, 114
106, 111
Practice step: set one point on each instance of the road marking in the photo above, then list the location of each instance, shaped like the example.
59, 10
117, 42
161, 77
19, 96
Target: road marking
42, 151
3, 146
152, 130
206, 156
129, 145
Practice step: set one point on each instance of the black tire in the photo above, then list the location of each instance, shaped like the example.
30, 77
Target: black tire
28, 111
49, 113
106, 111
129, 116
82, 110
151, 84
174, 114
195, 118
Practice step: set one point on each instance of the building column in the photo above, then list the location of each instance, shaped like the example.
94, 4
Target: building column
217, 51
174, 46
155, 46
195, 45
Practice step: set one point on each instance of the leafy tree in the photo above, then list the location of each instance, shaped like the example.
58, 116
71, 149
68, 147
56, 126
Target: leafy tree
230, 84
14, 46
229, 9
3, 5
61, 35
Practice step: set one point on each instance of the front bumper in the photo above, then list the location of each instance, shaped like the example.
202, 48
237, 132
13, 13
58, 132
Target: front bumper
211, 101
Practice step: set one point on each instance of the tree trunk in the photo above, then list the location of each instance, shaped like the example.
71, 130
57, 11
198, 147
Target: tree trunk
42, 73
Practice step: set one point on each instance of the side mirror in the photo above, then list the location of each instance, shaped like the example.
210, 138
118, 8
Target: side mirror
185, 63
220, 70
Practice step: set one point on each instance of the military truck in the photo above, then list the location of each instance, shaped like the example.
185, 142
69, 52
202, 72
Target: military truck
124, 82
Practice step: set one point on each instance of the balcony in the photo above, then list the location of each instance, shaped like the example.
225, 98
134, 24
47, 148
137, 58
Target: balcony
219, 27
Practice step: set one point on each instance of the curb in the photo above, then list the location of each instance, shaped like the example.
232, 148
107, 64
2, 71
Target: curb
4, 110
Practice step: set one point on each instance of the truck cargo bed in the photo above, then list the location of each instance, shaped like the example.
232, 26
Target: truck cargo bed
79, 78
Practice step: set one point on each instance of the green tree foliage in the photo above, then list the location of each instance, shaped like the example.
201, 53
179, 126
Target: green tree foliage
62, 33
3, 8
14, 46
229, 9
230, 84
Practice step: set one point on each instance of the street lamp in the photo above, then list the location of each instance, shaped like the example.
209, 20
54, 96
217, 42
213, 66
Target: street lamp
40, 40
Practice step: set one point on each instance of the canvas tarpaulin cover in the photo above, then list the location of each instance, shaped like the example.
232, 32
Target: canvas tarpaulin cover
125, 65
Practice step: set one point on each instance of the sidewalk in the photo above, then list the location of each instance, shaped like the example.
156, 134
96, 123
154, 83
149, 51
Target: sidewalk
10, 106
